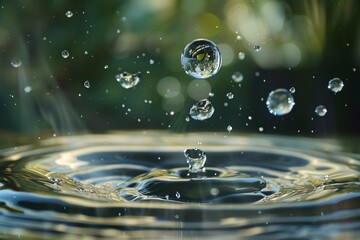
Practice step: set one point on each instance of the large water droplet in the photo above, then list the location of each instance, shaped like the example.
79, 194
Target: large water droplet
69, 14
16, 62
335, 85
196, 160
320, 110
237, 77
201, 59
65, 54
202, 110
128, 80
280, 102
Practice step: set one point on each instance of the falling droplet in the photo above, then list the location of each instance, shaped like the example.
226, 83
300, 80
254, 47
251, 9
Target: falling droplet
257, 48
320, 110
152, 61
196, 160
237, 77
177, 194
27, 89
241, 55
16, 62
292, 90
229, 128
65, 54
69, 14
202, 110
230, 95
128, 80
280, 102
201, 59
335, 85
87, 84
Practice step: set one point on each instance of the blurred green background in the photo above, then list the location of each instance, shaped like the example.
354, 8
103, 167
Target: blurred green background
304, 44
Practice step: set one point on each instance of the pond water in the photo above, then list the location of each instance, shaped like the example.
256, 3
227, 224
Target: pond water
137, 185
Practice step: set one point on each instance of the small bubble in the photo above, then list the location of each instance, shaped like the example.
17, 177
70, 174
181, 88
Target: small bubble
65, 54
229, 128
128, 80
196, 160
320, 110
27, 89
237, 77
201, 59
16, 62
292, 90
87, 84
335, 85
241, 55
177, 194
152, 61
202, 110
69, 14
230, 95
257, 48
280, 102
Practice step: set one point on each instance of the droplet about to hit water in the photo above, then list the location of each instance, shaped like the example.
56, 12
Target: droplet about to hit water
257, 48
65, 54
280, 102
202, 110
69, 14
320, 110
201, 59
237, 77
87, 84
335, 85
16, 62
196, 160
241, 55
128, 80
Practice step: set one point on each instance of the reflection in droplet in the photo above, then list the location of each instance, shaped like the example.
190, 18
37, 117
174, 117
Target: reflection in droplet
335, 85
201, 59
202, 110
280, 102
320, 110
128, 80
196, 160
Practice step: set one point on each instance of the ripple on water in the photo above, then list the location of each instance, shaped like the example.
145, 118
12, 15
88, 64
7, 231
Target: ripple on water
280, 186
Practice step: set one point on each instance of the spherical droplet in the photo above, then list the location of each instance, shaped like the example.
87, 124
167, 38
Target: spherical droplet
241, 55
237, 77
230, 95
202, 110
201, 59
229, 128
65, 54
320, 110
16, 62
69, 14
335, 85
292, 90
27, 89
280, 102
87, 84
257, 48
128, 80
196, 159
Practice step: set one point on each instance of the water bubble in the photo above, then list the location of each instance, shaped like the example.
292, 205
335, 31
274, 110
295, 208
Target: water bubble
237, 77
65, 54
201, 59
229, 128
27, 89
128, 80
87, 84
280, 102
196, 160
257, 48
320, 110
16, 62
241, 55
292, 90
202, 110
335, 85
230, 95
69, 14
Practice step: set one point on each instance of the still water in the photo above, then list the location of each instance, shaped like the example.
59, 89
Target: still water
137, 185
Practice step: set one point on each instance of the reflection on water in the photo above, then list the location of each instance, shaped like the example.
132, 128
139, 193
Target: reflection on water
137, 185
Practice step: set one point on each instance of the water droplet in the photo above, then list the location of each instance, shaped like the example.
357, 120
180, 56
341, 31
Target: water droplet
87, 84
65, 54
16, 62
229, 128
187, 119
69, 14
320, 110
128, 80
280, 102
201, 59
177, 194
152, 61
241, 55
106, 67
202, 110
27, 89
196, 160
261, 129
292, 90
237, 77
230, 95
238, 37
211, 94
257, 48
335, 85
214, 191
